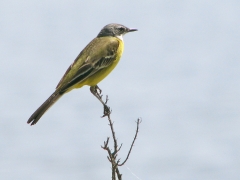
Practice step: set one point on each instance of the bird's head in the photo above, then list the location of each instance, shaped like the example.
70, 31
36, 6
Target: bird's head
115, 30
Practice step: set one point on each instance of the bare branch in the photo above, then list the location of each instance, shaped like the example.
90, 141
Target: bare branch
135, 137
119, 175
112, 156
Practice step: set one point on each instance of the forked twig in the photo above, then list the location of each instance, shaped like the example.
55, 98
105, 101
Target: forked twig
134, 139
112, 156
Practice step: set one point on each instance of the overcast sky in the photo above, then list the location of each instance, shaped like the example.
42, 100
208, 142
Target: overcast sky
180, 73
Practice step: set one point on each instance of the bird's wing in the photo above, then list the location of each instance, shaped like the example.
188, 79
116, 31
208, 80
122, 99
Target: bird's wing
98, 54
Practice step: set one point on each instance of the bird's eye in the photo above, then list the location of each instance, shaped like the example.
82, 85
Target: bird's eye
121, 29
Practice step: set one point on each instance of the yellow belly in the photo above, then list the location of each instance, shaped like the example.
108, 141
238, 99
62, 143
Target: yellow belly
100, 75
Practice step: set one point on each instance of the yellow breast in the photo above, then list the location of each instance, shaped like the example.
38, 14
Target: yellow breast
101, 74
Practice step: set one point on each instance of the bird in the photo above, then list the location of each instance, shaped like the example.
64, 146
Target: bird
90, 67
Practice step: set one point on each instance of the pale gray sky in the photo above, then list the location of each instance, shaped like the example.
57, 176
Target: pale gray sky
180, 73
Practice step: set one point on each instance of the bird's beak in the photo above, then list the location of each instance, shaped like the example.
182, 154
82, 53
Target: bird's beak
132, 30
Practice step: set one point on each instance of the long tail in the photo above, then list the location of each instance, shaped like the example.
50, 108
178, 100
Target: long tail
43, 108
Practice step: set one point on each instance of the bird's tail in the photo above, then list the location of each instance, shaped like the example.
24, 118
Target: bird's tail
43, 108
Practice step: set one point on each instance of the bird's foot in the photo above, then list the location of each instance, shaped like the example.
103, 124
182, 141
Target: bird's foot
98, 90
106, 109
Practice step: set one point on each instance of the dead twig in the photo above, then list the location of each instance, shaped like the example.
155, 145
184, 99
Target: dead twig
112, 156
134, 139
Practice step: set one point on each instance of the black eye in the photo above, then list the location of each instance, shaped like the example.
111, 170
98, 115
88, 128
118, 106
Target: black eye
121, 29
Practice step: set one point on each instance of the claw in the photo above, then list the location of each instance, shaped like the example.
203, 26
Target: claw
107, 111
97, 88
94, 90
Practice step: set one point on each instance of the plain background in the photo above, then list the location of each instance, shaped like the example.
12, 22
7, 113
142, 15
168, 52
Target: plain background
180, 73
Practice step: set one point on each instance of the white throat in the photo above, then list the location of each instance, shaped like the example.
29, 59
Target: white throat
120, 37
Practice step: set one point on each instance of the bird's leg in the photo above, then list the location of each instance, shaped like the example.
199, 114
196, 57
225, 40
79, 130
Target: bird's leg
94, 90
98, 89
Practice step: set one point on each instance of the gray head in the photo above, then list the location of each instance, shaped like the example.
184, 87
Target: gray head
115, 30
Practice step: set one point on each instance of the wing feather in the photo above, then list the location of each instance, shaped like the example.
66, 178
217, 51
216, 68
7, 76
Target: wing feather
90, 61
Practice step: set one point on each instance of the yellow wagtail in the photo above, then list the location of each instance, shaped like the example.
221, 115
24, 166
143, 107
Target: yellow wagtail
91, 66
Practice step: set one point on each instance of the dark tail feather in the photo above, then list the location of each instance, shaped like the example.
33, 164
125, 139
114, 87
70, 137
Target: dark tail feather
43, 108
